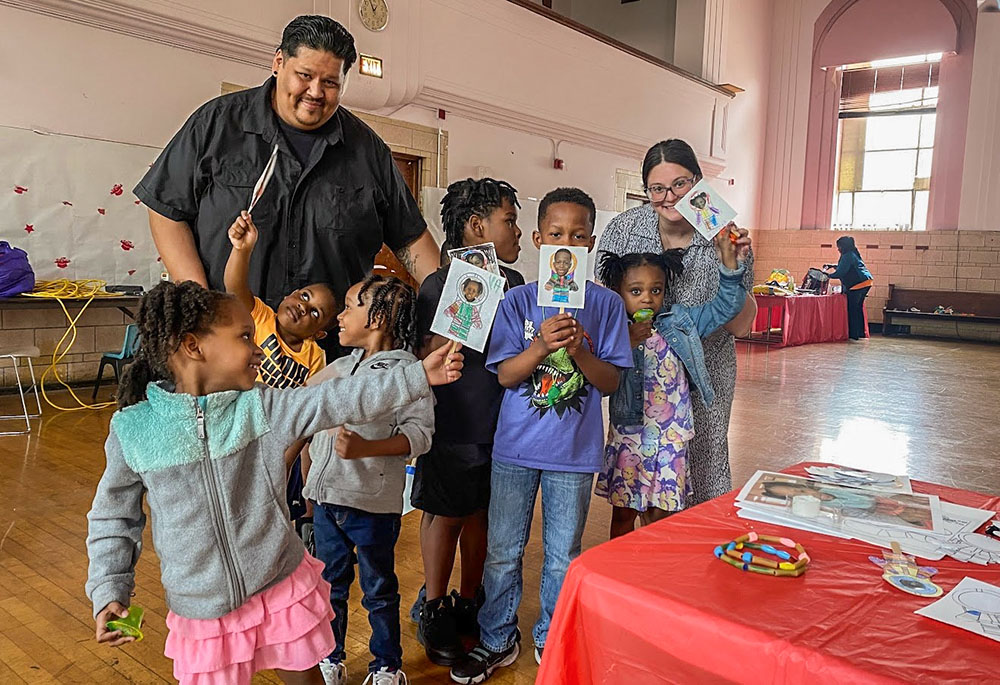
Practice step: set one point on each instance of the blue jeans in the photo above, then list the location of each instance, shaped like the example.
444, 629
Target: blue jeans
565, 503
345, 536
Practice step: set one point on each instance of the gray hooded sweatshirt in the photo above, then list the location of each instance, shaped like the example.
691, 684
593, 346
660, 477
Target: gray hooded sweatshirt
372, 484
213, 473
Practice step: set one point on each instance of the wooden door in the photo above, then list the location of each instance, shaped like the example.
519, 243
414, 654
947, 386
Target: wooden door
409, 167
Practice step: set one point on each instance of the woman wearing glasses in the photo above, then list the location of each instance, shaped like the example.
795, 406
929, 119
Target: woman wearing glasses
669, 171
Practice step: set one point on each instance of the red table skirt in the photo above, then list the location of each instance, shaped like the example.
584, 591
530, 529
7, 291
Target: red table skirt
804, 319
656, 606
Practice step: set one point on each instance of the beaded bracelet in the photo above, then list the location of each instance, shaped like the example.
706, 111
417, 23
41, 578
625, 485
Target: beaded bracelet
732, 554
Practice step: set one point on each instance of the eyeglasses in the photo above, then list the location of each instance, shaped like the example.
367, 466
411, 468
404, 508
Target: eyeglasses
658, 192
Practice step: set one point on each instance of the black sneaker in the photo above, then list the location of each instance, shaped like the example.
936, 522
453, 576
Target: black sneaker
467, 613
418, 605
479, 664
437, 632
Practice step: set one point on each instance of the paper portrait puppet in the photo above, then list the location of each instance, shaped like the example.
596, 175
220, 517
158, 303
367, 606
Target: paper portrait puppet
483, 256
468, 305
705, 209
562, 276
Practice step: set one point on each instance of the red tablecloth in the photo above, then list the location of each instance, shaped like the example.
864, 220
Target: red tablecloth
803, 318
656, 606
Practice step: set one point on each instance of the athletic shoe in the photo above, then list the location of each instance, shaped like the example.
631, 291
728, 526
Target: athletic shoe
467, 613
333, 673
437, 632
538, 655
480, 663
384, 676
418, 605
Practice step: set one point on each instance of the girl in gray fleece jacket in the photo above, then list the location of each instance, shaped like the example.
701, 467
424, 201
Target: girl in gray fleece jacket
358, 472
205, 445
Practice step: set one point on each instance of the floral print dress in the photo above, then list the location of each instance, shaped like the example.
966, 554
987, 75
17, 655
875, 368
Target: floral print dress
645, 465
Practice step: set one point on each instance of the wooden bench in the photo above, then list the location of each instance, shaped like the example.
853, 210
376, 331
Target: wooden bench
977, 307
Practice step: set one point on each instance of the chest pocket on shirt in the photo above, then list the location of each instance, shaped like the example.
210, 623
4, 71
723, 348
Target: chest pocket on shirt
351, 210
236, 183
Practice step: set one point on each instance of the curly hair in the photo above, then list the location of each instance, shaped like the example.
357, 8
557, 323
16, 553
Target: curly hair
167, 313
469, 198
613, 268
393, 304
573, 196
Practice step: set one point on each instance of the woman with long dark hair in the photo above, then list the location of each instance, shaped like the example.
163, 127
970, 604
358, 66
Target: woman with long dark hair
669, 170
856, 280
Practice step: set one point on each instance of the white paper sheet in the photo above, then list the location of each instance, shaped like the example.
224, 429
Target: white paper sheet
860, 478
705, 209
468, 305
562, 280
973, 605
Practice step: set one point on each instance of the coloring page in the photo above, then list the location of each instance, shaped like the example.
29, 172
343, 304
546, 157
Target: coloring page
468, 305
562, 276
705, 209
973, 605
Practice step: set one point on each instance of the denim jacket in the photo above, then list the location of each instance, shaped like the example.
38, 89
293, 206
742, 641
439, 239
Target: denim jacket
683, 328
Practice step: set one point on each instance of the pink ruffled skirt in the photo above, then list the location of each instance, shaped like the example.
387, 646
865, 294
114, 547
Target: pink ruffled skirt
286, 626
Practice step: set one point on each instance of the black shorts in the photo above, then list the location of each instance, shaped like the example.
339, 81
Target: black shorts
453, 480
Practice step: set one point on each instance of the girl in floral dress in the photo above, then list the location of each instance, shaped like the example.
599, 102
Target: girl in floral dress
645, 463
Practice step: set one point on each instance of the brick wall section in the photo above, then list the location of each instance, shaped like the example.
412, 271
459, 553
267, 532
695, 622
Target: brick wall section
98, 331
967, 261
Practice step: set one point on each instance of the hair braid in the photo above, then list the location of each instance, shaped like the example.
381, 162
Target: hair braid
392, 304
613, 268
167, 313
468, 198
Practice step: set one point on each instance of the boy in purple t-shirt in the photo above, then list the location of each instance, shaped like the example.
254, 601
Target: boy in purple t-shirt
555, 368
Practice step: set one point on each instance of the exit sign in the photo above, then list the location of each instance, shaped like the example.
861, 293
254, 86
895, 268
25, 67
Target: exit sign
371, 66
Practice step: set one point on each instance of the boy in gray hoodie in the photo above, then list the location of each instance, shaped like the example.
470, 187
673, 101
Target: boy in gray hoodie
358, 472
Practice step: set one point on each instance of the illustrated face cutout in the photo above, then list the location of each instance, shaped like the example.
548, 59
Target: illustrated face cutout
562, 276
468, 305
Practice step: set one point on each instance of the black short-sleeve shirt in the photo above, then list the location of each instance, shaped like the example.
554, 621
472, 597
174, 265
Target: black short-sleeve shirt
466, 411
324, 220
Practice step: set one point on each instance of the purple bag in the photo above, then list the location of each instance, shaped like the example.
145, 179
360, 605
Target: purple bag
16, 275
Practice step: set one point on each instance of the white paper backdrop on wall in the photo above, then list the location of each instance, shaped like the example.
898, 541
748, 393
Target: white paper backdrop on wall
527, 219
68, 203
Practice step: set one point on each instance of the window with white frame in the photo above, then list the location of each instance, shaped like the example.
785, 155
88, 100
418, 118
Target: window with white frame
886, 142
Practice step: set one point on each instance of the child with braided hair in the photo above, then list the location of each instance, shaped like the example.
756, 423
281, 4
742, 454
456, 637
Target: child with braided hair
203, 443
358, 473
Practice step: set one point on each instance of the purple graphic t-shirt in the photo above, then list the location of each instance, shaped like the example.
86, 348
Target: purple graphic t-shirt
552, 421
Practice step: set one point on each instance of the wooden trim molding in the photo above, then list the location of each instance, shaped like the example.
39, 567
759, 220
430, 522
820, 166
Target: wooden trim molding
147, 24
617, 44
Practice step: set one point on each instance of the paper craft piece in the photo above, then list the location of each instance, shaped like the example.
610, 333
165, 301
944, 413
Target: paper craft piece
774, 491
901, 571
955, 519
468, 305
131, 625
973, 605
705, 209
979, 549
562, 276
264, 179
859, 478
484, 256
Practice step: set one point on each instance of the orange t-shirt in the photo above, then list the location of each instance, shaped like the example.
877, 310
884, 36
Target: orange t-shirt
282, 367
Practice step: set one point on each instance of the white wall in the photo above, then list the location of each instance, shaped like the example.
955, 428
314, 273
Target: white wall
513, 83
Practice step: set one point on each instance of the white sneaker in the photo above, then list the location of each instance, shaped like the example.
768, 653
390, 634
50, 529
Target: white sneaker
384, 676
333, 673
538, 655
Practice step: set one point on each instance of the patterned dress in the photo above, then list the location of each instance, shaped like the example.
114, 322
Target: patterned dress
645, 465
637, 230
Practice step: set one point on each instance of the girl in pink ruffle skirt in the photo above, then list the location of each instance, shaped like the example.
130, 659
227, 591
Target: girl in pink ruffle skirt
205, 446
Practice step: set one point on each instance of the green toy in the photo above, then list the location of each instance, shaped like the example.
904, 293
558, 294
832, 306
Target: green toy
129, 625
643, 315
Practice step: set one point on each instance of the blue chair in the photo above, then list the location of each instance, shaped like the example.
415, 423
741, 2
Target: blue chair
118, 360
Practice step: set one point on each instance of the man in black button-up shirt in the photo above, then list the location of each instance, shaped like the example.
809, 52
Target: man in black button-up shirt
335, 197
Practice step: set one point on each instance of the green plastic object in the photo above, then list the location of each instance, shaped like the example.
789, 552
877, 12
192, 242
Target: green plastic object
130, 625
643, 315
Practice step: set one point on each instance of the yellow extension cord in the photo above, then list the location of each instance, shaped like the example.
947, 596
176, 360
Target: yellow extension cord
61, 290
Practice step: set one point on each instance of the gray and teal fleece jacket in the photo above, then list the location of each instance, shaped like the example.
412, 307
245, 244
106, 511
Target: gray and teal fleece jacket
214, 475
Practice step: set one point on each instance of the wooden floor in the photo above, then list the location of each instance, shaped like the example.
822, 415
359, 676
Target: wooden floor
927, 408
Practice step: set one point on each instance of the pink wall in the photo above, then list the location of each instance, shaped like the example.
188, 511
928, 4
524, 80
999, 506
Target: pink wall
851, 31
513, 83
